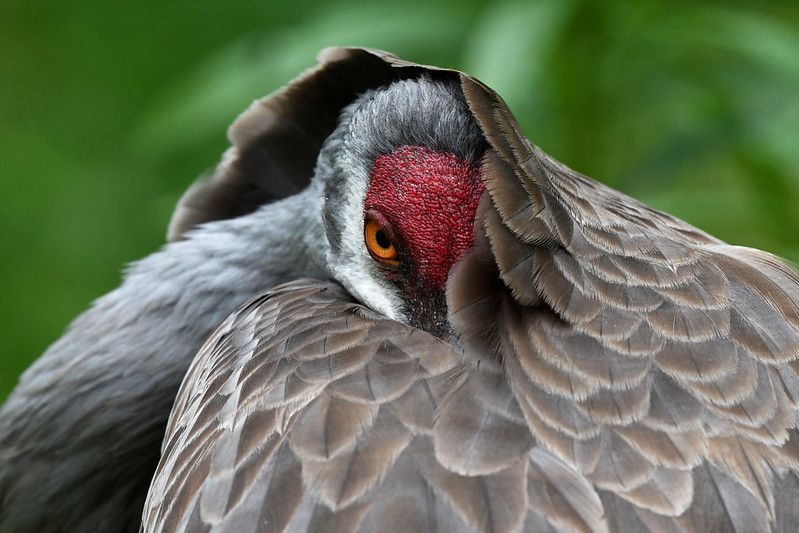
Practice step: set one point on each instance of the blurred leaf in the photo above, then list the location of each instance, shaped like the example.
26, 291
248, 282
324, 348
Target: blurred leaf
509, 49
766, 40
206, 101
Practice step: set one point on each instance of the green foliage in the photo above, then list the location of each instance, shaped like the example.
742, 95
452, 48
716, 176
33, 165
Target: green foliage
109, 111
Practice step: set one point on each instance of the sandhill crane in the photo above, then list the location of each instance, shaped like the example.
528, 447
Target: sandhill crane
450, 331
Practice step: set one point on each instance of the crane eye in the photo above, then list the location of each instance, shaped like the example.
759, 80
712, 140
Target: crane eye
379, 242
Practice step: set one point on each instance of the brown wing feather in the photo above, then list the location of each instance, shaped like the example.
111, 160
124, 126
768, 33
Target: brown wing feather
275, 143
647, 355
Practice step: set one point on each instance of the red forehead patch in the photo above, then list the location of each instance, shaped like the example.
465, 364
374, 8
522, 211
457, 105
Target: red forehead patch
430, 198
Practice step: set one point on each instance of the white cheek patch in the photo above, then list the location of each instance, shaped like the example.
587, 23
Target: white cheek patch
354, 267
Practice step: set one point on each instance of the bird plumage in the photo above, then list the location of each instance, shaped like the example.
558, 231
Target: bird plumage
80, 434
607, 367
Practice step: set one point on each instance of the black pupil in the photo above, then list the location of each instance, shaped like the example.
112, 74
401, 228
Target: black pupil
382, 239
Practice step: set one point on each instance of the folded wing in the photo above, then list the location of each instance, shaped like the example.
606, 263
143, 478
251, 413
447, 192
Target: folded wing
654, 360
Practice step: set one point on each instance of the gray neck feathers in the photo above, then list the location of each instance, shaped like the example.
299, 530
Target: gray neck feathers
87, 419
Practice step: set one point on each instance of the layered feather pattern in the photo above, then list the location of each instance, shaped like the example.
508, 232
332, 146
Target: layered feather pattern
641, 349
615, 370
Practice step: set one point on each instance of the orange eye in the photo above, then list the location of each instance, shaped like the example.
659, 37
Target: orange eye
379, 243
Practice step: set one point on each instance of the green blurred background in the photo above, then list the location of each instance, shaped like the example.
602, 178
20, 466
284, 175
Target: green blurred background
108, 111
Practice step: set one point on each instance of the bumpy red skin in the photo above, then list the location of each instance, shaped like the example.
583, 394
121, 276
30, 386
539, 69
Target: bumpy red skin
429, 200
